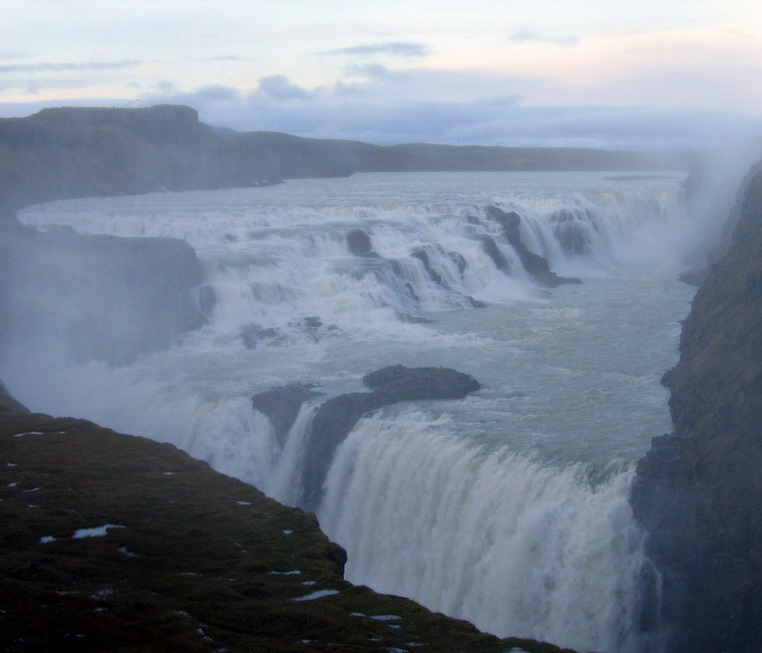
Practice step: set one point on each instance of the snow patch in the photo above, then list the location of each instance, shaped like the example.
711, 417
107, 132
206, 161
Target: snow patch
97, 531
316, 595
124, 551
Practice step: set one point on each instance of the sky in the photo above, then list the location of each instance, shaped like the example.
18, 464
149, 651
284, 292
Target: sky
640, 74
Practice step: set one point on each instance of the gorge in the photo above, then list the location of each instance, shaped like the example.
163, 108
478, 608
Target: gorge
408, 264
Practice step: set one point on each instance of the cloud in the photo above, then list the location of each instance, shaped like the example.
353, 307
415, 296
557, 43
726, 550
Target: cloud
228, 57
368, 71
352, 112
335, 113
280, 89
62, 67
205, 96
531, 36
11, 54
397, 49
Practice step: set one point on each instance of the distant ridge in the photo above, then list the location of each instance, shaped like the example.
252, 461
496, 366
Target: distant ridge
79, 151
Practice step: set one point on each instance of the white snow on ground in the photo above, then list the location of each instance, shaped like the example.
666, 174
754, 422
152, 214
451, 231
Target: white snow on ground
316, 595
98, 531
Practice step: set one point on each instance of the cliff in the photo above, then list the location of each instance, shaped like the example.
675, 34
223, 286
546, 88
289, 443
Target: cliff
107, 298
698, 491
113, 542
76, 152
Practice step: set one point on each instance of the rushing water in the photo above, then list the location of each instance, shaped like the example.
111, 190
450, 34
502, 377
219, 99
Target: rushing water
508, 508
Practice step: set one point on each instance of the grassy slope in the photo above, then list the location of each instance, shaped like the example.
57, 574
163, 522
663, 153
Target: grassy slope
199, 564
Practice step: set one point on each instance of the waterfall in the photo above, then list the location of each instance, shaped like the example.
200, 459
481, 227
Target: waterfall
517, 547
496, 508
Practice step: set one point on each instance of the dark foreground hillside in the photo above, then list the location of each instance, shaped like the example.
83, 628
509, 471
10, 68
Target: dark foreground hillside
118, 543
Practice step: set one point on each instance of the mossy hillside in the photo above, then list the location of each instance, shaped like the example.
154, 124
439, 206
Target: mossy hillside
191, 560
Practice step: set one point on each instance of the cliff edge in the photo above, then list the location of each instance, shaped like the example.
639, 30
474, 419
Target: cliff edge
698, 491
118, 543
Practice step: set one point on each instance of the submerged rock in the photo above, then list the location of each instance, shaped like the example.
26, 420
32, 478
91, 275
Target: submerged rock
254, 334
359, 244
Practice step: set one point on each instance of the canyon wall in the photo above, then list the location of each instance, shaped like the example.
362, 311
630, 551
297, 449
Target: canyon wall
698, 491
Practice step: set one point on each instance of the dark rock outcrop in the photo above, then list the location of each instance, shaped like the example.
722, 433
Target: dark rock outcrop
571, 233
399, 383
96, 297
490, 248
699, 490
359, 244
536, 266
281, 406
337, 416
8, 404
423, 256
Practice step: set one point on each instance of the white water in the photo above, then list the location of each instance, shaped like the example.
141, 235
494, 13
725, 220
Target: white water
508, 508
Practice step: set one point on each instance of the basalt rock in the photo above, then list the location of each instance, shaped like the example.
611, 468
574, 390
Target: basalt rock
400, 383
536, 266
337, 416
359, 243
281, 406
8, 404
490, 248
96, 297
423, 256
698, 491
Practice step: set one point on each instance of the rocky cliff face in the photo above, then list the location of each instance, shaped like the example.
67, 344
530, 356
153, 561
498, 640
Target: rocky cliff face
95, 297
75, 152
699, 490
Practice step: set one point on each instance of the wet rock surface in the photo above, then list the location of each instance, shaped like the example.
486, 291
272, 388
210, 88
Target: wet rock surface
97, 297
698, 491
537, 266
282, 405
8, 404
338, 415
